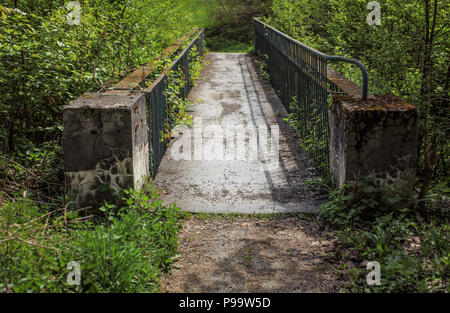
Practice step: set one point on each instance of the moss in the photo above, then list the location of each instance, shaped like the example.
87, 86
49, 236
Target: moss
380, 103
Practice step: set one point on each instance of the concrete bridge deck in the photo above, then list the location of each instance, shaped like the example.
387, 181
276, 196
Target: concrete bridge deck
208, 168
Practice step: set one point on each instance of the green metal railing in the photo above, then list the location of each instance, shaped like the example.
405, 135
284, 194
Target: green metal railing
298, 73
157, 104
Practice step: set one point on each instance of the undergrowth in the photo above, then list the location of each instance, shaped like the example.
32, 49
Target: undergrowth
412, 245
123, 250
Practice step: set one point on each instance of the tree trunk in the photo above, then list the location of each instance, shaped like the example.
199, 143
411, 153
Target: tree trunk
430, 155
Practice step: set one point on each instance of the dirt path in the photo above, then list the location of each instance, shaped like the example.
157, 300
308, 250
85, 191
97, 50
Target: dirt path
284, 254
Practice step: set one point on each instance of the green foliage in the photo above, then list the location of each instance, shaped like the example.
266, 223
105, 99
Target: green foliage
36, 172
228, 23
176, 99
323, 184
125, 253
263, 67
358, 203
195, 66
381, 224
27, 260
312, 133
45, 62
407, 55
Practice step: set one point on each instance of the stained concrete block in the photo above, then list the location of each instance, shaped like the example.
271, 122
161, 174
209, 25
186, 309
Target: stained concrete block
374, 138
105, 146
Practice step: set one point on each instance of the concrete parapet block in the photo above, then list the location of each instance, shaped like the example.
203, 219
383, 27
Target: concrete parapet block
374, 138
105, 146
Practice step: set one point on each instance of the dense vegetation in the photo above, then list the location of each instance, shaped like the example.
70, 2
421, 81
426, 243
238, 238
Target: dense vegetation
407, 55
384, 225
122, 251
228, 23
46, 62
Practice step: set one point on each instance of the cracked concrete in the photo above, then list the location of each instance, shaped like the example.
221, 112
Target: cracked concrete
232, 181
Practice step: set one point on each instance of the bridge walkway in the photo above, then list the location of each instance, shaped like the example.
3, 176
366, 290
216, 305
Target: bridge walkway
208, 168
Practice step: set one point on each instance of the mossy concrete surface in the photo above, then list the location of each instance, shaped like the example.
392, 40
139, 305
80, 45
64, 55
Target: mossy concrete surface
374, 138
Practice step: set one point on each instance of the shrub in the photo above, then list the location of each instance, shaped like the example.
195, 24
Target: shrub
361, 202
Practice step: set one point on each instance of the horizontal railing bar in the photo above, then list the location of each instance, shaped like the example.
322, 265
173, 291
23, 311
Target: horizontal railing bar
159, 104
346, 85
365, 76
329, 58
312, 50
163, 73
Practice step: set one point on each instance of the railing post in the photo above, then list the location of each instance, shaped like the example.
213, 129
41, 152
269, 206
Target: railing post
105, 146
374, 138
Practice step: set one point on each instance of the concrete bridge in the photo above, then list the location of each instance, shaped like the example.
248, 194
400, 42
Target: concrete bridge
240, 155
231, 97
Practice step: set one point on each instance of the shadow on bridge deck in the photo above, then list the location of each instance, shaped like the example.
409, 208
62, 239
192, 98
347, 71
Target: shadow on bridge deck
226, 163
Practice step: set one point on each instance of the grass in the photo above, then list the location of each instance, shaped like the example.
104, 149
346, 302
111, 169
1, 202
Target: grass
124, 247
221, 44
197, 11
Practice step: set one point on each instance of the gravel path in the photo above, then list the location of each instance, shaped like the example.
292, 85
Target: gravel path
284, 254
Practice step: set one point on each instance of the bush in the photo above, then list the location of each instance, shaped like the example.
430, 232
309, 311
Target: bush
360, 203
28, 260
403, 56
45, 62
228, 23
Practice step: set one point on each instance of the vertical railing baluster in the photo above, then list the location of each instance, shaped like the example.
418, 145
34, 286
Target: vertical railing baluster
296, 71
157, 104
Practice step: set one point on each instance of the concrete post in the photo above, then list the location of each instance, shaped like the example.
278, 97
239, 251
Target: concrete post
374, 138
105, 146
